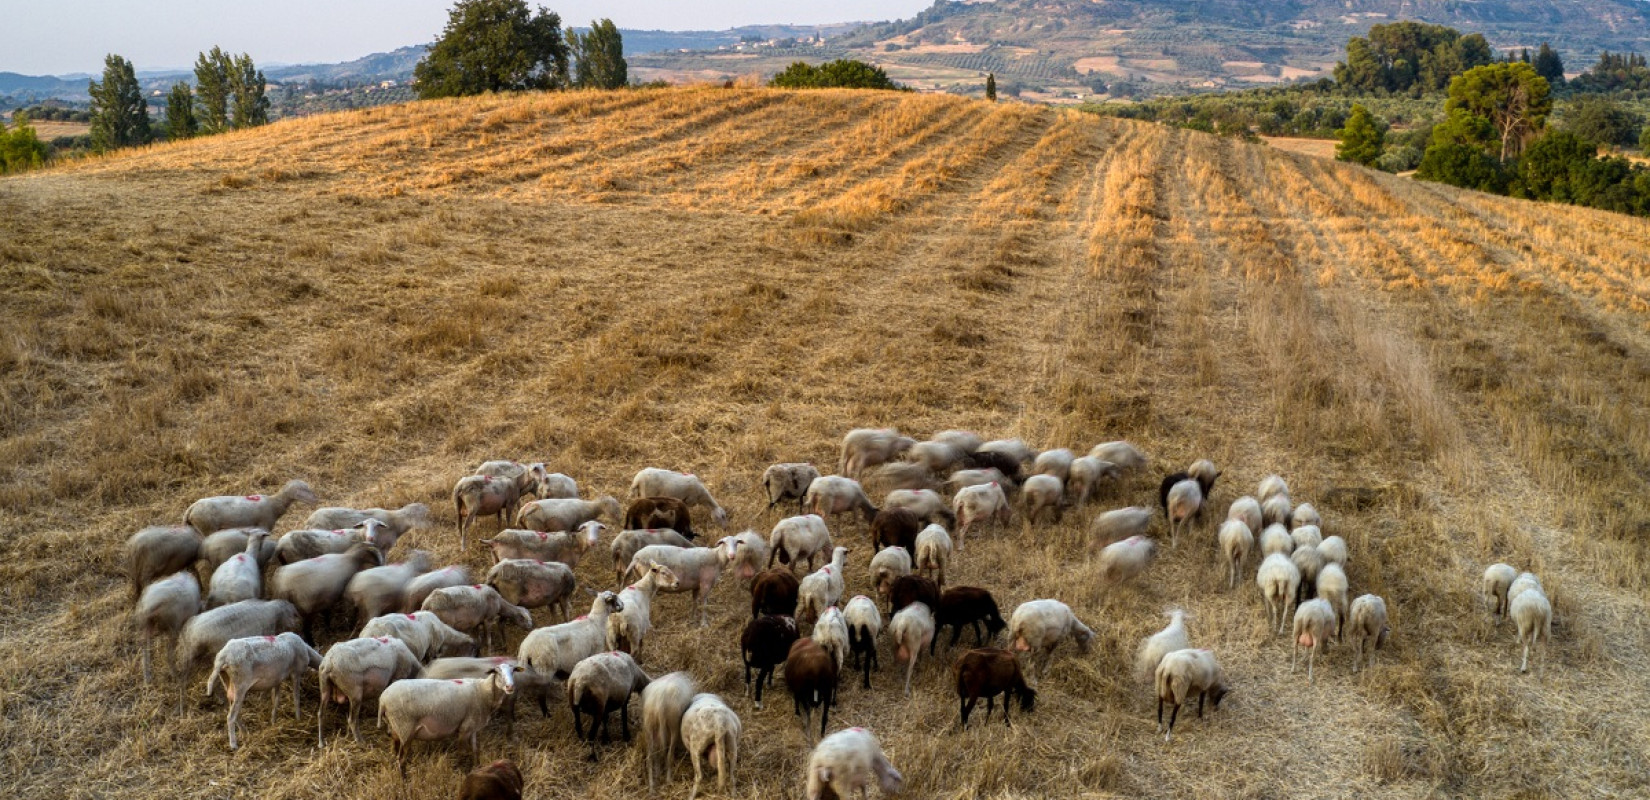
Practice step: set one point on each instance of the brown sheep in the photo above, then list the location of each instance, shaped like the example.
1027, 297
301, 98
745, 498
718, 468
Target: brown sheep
499, 780
967, 605
659, 512
988, 672
895, 527
811, 675
774, 591
765, 644
908, 589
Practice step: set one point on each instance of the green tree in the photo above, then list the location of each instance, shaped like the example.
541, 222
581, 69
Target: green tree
494, 46
1510, 96
991, 86
120, 115
1644, 140
598, 57
1548, 65
1603, 121
842, 73
247, 89
180, 112
1362, 140
1544, 173
20, 147
212, 90
1410, 57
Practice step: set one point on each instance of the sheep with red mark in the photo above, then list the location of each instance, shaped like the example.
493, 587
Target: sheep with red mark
239, 578
763, 645
970, 606
863, 448
832, 495
560, 514
887, 566
600, 685
711, 731
659, 512
628, 543
465, 608
1315, 624
684, 486
207, 632
230, 542
822, 588
530, 583
796, 538
316, 585
158, 551
1037, 627
1183, 674
912, 630
377, 591
811, 675
697, 570
427, 709
628, 628
419, 588
850, 760
557, 649
864, 621
788, 481
298, 545
529, 684
424, 634
566, 547
476, 496
988, 672
356, 670
964, 478
162, 610
933, 552
212, 514
396, 522
976, 504
252, 663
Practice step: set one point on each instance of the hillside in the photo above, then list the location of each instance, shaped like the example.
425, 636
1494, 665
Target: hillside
715, 280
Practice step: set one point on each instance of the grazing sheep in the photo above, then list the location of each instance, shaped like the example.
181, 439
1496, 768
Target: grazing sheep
967, 605
697, 569
429, 709
1203, 471
531, 584
933, 552
1235, 543
1524, 582
565, 515
557, 649
811, 675
1306, 536
1279, 580
788, 481
480, 495
226, 544
1247, 509
315, 585
831, 495
659, 512
1305, 514
1184, 673
212, 514
1122, 561
380, 590
1056, 462
912, 629
1498, 578
823, 588
1271, 486
1126, 456
528, 478
1314, 625
988, 672
239, 578
774, 591
424, 634
1084, 477
887, 565
684, 486
1042, 492
939, 457
419, 588
831, 632
298, 545
1332, 588
664, 701
796, 538
1015, 449
207, 632
863, 448
850, 760
1533, 614
628, 629
1275, 510
499, 780
1185, 501
900, 475
160, 550
966, 441
895, 527
1275, 539
162, 609
260, 662
925, 503
765, 644
356, 670
1310, 562
628, 543
909, 589
396, 523
529, 684
974, 504
711, 731
864, 621
746, 553
964, 478
1333, 549
1368, 628
465, 608
1154, 647
600, 685
1119, 524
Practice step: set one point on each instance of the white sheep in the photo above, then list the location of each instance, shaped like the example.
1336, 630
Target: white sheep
1235, 543
207, 632
1332, 588
160, 550
1247, 509
1275, 539
1334, 551
1121, 561
889, 563
863, 448
356, 670
529, 684
556, 649
560, 514
1498, 578
1084, 477
864, 621
1182, 674
1126, 456
424, 634
380, 590
1204, 472
973, 504
600, 685
1275, 510
1279, 580
684, 486
903, 475
964, 478
1524, 582
419, 588
628, 543
822, 588
747, 554
1533, 614
1310, 562
933, 552
912, 630
1306, 536
1039, 626
162, 610
396, 522
429, 709
531, 584
297, 545
1272, 486
1368, 628
697, 570
711, 731
925, 503
527, 477
477, 496
830, 495
796, 538
315, 585
566, 547
1013, 448
230, 542
1119, 524
664, 702
788, 482
966, 441
212, 514
850, 760
628, 629
1185, 500
1056, 462
831, 633
465, 608
1314, 626
939, 457
239, 578
1042, 492
1154, 647
1305, 514
260, 662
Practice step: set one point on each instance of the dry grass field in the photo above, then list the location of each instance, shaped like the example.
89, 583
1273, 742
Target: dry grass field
714, 280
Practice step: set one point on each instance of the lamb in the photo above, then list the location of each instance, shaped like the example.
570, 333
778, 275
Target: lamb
628, 543
499, 780
1235, 543
396, 523
1368, 628
710, 730
664, 702
531, 584
315, 585
419, 588
976, 504
1185, 501
1056, 462
964, 478
1122, 561
355, 670
1247, 509
823, 588
912, 629
938, 457
1306, 536
1533, 614
848, 760
1315, 623
1119, 524
684, 486
1498, 578
565, 515
160, 550
1310, 562
228, 543
557, 649
831, 632
863, 448
239, 578
424, 634
1039, 493
895, 527
988, 672
967, 605
774, 591
925, 503
628, 629
1275, 510
697, 570
1332, 587
1184, 673
465, 608
659, 512
207, 632
213, 514
1305, 514
933, 552
795, 538
1279, 580
1272, 486
1015, 449
788, 481
811, 675
864, 623
764, 644
429, 709
1333, 549
1154, 647
888, 565
1126, 456
746, 553
831, 495
1275, 539
899, 475
298, 545
529, 684
163, 609
598, 686
260, 662
1084, 477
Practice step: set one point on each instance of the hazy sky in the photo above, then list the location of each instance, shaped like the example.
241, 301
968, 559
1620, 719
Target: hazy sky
63, 36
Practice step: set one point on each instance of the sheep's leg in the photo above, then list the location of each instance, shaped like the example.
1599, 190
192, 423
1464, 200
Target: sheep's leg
624, 719
1160, 714
1311, 656
909, 668
235, 716
698, 771
964, 706
1525, 667
1173, 713
1294, 649
297, 713
148, 645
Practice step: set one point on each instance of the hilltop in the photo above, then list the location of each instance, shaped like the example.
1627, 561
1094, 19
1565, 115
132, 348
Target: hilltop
714, 280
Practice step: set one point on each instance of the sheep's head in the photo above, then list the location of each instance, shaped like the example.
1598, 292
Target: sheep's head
589, 533
663, 576
298, 491
608, 601
506, 678
720, 516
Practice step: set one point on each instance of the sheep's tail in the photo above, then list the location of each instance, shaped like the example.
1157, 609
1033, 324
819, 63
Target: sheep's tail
458, 506
212, 680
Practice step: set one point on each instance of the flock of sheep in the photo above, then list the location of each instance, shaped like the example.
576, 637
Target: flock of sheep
419, 633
